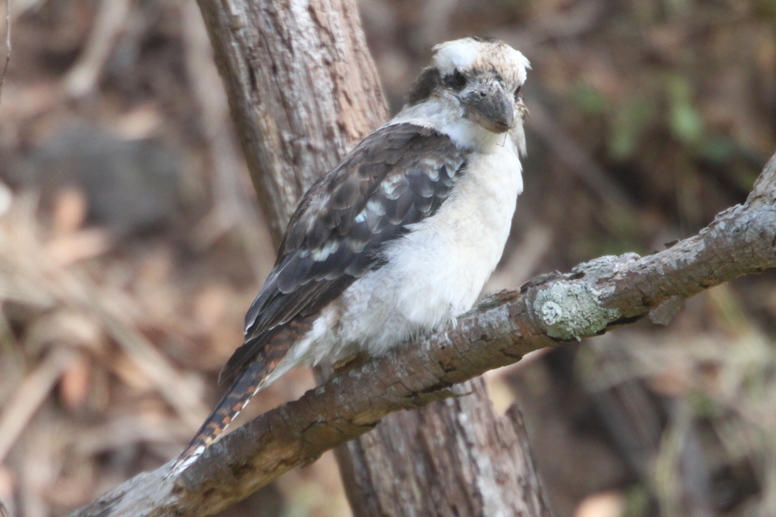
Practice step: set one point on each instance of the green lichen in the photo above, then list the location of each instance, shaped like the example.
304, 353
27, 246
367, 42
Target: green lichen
568, 310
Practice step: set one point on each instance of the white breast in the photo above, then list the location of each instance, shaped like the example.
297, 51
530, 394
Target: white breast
437, 271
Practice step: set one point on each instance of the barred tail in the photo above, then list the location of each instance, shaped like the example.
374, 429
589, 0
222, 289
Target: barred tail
245, 386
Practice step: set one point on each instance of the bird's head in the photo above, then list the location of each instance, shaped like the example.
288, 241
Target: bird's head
482, 78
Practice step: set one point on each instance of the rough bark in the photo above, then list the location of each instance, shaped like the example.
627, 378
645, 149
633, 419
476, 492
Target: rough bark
302, 89
593, 297
447, 458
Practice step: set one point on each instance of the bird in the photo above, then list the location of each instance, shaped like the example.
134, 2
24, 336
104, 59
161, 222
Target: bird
399, 238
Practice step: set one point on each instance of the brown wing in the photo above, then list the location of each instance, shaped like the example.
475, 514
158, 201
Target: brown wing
397, 176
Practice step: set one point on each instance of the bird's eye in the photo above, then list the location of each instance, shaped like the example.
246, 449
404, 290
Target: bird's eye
455, 81
517, 91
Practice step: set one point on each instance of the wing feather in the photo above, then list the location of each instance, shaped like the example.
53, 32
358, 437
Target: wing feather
397, 176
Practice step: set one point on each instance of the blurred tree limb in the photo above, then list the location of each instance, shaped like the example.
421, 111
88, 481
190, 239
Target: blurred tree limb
593, 297
7, 46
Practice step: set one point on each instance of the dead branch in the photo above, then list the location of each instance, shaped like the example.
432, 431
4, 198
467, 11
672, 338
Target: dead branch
83, 77
594, 297
7, 46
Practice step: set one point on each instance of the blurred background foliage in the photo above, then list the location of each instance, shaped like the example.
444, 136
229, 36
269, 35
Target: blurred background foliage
131, 245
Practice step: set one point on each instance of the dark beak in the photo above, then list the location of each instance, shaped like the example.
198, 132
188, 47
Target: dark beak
490, 106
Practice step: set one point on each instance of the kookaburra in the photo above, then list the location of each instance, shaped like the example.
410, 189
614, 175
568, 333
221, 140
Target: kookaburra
400, 237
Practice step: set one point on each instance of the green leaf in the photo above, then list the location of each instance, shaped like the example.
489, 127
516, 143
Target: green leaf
684, 121
630, 121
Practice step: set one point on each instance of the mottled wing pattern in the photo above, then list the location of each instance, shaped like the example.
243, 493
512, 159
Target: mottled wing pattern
395, 177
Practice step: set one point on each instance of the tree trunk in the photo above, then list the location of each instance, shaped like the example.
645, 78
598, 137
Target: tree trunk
303, 89
454, 457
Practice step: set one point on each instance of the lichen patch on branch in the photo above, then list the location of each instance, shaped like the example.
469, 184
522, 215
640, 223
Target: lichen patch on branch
570, 310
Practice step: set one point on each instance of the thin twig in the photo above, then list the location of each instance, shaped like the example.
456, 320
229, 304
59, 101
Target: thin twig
7, 46
31, 394
83, 77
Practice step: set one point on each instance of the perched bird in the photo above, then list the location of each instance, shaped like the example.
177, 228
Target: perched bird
400, 237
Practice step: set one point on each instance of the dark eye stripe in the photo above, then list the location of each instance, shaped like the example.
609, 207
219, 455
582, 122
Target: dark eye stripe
455, 81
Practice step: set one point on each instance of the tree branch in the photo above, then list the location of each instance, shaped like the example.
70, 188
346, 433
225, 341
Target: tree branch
7, 51
593, 297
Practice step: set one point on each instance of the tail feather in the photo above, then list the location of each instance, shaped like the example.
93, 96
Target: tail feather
251, 378
245, 386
